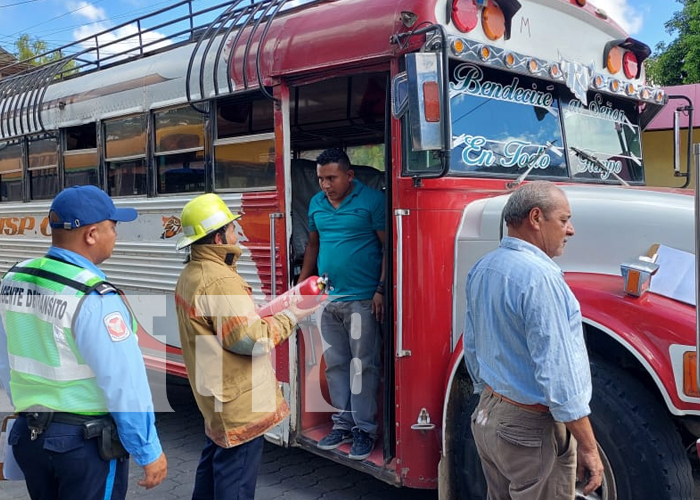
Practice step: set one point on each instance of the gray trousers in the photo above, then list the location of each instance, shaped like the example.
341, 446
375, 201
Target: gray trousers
525, 455
352, 363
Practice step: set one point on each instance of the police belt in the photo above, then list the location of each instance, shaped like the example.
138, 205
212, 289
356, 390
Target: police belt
68, 418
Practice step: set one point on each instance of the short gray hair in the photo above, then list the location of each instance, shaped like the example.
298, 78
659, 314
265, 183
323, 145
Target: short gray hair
537, 194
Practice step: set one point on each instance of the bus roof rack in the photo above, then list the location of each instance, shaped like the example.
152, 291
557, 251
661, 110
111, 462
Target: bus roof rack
247, 21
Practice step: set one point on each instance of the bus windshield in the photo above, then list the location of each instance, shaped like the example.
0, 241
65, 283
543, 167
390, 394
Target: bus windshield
505, 124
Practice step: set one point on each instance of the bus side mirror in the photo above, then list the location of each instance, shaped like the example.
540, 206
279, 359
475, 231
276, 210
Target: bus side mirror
419, 91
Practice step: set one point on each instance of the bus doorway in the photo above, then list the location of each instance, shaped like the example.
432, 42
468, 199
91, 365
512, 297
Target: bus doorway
348, 112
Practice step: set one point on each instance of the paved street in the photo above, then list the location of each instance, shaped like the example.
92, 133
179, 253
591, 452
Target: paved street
288, 474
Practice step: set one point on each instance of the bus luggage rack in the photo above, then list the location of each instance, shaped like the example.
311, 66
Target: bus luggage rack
236, 24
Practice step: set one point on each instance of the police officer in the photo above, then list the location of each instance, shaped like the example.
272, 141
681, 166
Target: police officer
70, 362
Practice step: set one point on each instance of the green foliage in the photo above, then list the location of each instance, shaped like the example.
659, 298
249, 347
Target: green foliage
35, 52
678, 62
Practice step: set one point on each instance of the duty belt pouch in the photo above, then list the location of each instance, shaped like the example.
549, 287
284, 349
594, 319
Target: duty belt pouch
38, 421
108, 443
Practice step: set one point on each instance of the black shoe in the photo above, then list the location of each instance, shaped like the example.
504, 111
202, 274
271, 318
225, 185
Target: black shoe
362, 445
334, 439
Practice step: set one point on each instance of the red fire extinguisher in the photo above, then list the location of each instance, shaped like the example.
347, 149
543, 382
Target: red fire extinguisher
313, 291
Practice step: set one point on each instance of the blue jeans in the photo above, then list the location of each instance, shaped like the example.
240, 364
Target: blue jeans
228, 473
352, 363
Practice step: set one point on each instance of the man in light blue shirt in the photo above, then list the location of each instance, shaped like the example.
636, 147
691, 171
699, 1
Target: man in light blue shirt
69, 360
525, 352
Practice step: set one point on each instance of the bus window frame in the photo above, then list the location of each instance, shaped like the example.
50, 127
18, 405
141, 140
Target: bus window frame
243, 139
28, 177
146, 121
22, 169
156, 153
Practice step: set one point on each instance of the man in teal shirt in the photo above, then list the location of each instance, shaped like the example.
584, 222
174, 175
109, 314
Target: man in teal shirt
346, 242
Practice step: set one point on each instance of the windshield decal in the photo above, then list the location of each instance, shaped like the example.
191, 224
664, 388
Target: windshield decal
469, 79
598, 109
587, 166
477, 153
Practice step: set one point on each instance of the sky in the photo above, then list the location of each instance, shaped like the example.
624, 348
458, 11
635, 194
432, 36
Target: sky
60, 22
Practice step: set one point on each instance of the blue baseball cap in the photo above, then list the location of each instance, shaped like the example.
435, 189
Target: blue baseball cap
77, 206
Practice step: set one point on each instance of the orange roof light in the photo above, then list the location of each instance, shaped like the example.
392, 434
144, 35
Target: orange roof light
465, 15
484, 53
615, 85
509, 60
555, 71
630, 65
614, 62
533, 66
458, 46
493, 21
598, 82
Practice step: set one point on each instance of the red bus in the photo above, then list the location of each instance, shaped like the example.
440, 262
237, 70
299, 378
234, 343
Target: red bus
446, 105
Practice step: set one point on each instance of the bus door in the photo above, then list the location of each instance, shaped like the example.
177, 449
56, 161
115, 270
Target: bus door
348, 112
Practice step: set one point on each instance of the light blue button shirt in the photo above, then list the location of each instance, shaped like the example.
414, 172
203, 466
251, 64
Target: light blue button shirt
523, 333
118, 366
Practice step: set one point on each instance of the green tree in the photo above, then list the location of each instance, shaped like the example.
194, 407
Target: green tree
678, 62
35, 52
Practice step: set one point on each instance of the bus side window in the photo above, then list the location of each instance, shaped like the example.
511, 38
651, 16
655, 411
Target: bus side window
43, 167
125, 155
11, 173
179, 150
244, 148
80, 158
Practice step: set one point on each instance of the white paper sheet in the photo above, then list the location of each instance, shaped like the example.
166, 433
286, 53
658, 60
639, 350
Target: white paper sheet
676, 275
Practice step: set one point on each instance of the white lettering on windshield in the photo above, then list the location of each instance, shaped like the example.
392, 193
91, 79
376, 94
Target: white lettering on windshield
514, 154
583, 166
598, 109
469, 79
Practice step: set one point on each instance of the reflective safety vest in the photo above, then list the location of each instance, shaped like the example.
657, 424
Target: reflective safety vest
39, 300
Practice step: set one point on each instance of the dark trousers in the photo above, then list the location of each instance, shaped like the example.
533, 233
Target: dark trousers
61, 465
228, 473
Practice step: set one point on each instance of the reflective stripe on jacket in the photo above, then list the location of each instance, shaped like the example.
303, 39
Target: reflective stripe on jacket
39, 300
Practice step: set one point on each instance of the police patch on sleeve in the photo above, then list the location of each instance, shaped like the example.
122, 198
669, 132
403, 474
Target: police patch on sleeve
116, 327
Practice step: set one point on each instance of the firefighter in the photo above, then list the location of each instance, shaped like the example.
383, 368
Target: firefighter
225, 345
71, 364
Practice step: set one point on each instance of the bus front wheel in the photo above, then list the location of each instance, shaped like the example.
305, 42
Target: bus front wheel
640, 446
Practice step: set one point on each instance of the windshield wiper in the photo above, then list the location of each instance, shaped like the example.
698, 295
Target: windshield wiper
595, 161
531, 164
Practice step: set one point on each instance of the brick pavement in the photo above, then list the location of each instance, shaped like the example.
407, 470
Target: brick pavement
286, 474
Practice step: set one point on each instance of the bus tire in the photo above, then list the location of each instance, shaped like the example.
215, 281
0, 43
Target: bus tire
640, 446
469, 480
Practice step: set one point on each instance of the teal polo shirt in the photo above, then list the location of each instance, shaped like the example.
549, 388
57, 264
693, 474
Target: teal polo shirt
350, 251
